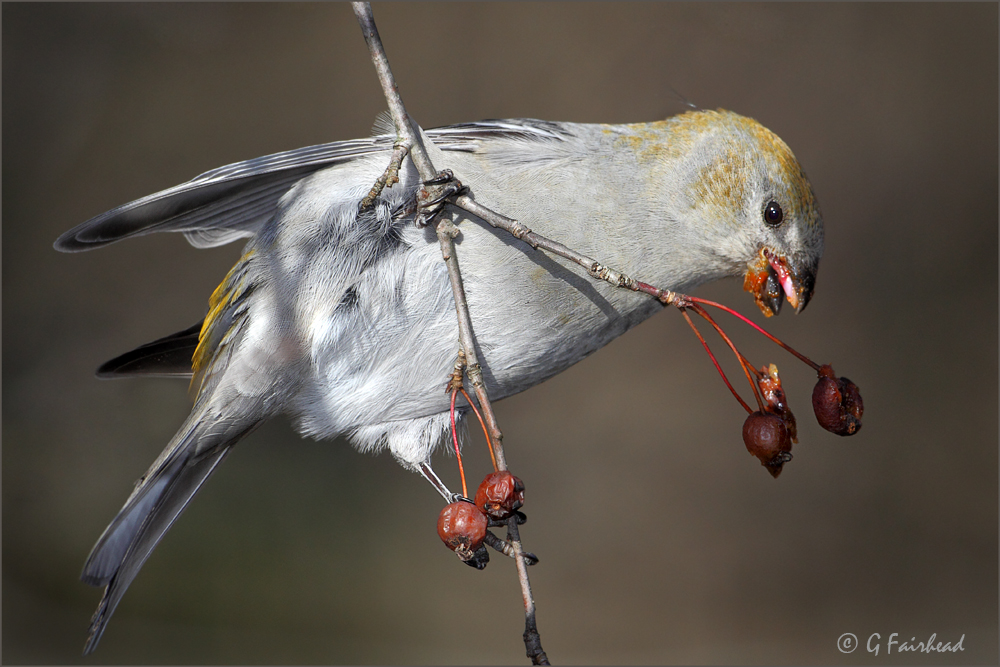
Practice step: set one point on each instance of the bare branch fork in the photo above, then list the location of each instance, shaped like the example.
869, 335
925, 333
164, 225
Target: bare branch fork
446, 232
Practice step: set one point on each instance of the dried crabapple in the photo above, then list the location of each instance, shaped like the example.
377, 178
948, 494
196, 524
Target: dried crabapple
837, 403
500, 494
462, 527
766, 437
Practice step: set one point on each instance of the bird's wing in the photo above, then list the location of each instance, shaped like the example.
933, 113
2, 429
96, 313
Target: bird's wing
218, 206
234, 201
464, 136
169, 356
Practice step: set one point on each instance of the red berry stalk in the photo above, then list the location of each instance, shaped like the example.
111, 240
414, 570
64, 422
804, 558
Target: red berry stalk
769, 431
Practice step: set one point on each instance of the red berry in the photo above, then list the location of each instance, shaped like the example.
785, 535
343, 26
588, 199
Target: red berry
462, 528
766, 437
500, 494
837, 403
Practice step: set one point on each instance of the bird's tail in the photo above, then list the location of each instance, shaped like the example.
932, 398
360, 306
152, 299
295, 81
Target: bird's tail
158, 499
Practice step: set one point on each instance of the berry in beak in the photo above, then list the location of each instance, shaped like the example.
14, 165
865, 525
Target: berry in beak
772, 277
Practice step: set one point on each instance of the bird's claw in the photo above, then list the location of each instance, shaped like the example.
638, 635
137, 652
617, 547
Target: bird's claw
434, 194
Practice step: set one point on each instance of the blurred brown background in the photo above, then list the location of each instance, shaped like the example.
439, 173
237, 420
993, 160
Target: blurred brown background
661, 540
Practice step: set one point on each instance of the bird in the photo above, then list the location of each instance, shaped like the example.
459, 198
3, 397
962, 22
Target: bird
341, 316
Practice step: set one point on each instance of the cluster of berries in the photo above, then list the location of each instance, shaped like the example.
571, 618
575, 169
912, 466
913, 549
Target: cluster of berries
462, 525
769, 431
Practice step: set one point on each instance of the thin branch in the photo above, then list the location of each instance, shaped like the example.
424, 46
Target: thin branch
390, 176
426, 170
610, 275
537, 241
532, 640
363, 10
506, 548
446, 232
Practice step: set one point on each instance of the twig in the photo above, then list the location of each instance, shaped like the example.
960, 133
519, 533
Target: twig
390, 176
506, 549
610, 275
537, 241
532, 640
446, 232
363, 10
458, 450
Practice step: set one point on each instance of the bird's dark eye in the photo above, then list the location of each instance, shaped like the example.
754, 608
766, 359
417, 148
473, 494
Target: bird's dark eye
773, 214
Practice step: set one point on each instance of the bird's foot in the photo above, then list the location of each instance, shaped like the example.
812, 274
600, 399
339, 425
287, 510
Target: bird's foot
427, 472
434, 194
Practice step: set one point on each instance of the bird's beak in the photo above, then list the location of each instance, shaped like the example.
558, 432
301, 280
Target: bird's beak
772, 277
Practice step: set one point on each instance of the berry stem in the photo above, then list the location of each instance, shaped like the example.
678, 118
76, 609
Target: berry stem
489, 445
744, 364
712, 357
458, 453
774, 339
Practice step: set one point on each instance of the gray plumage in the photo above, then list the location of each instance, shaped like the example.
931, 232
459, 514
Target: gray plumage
345, 321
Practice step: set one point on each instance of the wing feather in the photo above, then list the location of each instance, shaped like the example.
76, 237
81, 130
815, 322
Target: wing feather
169, 356
235, 200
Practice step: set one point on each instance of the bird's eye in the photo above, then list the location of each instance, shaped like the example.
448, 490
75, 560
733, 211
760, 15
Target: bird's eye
773, 214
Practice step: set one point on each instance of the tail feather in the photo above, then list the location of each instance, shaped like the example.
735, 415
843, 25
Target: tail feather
108, 554
151, 510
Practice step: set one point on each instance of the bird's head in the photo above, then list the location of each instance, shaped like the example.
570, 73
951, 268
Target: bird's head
752, 205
